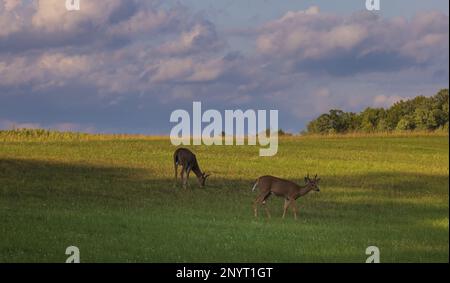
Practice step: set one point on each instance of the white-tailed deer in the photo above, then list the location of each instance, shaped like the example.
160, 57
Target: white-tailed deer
188, 162
290, 191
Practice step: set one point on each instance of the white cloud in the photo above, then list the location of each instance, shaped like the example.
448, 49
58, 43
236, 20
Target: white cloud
188, 70
309, 36
173, 69
201, 37
12, 19
386, 101
10, 5
56, 67
144, 21
207, 71
52, 15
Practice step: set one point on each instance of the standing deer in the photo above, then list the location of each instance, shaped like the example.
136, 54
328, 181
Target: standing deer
283, 188
188, 162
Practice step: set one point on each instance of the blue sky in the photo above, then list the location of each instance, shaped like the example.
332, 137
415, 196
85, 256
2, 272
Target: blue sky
124, 66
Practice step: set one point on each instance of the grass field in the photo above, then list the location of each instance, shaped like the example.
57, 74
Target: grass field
114, 198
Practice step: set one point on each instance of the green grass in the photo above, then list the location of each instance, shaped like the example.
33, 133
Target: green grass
113, 197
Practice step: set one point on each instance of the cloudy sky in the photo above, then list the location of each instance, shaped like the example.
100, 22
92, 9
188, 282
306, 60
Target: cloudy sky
124, 65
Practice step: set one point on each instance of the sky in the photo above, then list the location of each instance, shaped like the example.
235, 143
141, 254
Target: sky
123, 66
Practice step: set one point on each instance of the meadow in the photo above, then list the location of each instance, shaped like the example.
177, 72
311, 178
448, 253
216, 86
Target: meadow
115, 199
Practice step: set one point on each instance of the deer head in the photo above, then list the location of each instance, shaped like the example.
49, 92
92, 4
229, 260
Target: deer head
313, 183
202, 178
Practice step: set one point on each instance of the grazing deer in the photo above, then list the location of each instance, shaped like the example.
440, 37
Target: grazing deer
188, 162
283, 188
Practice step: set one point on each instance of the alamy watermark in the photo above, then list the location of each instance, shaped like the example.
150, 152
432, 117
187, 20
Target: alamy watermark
74, 254
215, 134
373, 5
374, 254
73, 5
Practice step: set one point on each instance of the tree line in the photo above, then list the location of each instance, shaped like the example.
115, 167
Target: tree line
419, 113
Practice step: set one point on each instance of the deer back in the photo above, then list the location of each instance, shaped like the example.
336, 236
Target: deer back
184, 156
278, 186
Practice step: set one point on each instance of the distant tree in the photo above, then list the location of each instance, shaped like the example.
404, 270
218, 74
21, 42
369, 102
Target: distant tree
406, 123
422, 113
426, 118
354, 121
321, 125
440, 105
338, 120
394, 114
441, 99
382, 125
371, 117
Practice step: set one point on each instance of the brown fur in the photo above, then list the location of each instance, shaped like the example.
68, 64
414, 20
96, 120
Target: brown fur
290, 191
188, 161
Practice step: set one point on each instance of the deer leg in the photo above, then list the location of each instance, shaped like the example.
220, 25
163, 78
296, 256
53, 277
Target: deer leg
176, 171
176, 174
187, 174
183, 180
294, 209
182, 174
264, 204
286, 205
257, 201
255, 207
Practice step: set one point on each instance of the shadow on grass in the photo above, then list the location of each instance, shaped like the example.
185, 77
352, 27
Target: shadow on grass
47, 178
22, 170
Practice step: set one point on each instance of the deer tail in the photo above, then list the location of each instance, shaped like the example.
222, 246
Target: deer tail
255, 185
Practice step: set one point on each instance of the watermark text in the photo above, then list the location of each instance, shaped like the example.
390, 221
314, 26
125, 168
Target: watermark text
239, 126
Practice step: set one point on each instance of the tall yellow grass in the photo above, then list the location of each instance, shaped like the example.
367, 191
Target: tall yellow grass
42, 135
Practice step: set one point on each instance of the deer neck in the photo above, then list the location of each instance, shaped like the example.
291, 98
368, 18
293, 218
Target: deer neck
197, 172
303, 190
